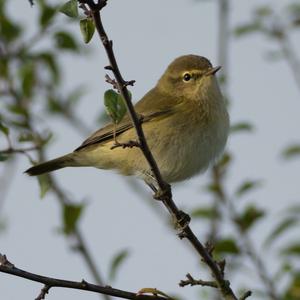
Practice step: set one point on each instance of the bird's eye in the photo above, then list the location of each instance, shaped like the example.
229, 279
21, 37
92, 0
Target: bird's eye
187, 77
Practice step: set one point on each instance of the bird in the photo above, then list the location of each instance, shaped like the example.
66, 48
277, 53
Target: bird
185, 122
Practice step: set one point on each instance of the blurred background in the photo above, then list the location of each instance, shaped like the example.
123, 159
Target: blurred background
93, 224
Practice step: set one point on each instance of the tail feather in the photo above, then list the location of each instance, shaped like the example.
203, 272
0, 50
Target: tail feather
52, 165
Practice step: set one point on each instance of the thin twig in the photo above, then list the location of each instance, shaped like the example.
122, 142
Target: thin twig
50, 282
191, 281
164, 191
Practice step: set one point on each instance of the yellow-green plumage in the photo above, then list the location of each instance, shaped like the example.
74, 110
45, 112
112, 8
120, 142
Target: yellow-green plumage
185, 123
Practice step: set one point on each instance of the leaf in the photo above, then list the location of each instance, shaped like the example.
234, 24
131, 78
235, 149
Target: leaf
115, 105
28, 78
70, 9
116, 263
3, 157
47, 15
227, 245
293, 290
244, 29
247, 186
9, 31
26, 137
49, 60
87, 28
293, 249
282, 227
248, 218
241, 126
291, 151
71, 215
205, 212
44, 184
263, 11
65, 40
4, 129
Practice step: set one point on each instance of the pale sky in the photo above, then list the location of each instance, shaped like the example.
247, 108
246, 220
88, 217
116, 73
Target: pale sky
147, 36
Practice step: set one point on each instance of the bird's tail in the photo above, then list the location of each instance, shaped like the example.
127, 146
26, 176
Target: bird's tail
52, 165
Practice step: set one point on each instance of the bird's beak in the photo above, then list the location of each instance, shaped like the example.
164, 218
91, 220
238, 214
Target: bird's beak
213, 71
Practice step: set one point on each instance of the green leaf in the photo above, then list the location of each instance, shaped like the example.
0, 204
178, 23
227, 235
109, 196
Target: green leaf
241, 126
205, 212
87, 28
263, 11
71, 216
47, 15
28, 78
247, 186
293, 249
44, 184
244, 29
9, 31
70, 9
66, 41
293, 290
291, 151
249, 217
3, 157
49, 60
17, 110
25, 137
281, 228
115, 105
4, 129
226, 246
116, 263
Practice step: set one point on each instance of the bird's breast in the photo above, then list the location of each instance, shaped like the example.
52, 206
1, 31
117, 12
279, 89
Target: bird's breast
190, 143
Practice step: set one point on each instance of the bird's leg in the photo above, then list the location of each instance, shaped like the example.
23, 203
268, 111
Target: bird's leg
159, 194
181, 220
151, 182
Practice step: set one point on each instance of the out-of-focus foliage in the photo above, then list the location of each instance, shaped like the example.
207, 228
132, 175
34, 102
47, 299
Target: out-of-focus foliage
30, 89
31, 94
278, 28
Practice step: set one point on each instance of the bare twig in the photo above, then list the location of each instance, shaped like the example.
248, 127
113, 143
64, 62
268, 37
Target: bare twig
49, 282
191, 281
164, 190
44, 291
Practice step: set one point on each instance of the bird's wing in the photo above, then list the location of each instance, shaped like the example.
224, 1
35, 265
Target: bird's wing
107, 133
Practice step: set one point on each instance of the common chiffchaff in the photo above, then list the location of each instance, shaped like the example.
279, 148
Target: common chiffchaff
185, 122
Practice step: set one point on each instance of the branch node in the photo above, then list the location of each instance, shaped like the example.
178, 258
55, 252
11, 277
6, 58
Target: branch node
246, 295
111, 81
191, 281
84, 283
209, 247
108, 68
44, 292
130, 82
5, 262
222, 264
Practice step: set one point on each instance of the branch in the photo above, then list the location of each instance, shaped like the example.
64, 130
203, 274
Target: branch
60, 194
191, 281
49, 282
164, 190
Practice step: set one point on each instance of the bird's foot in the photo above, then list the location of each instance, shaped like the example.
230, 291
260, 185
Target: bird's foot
162, 194
182, 221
